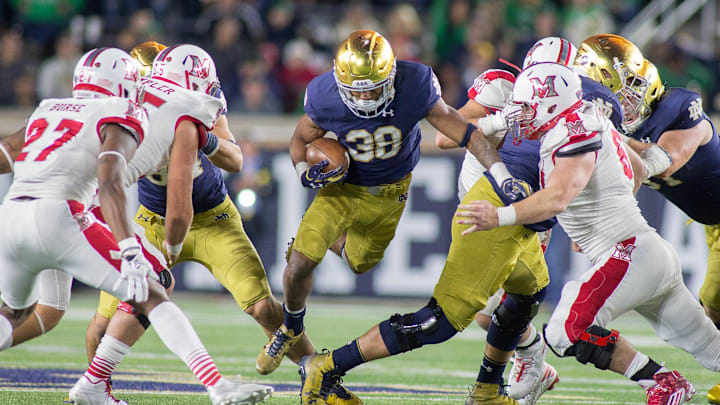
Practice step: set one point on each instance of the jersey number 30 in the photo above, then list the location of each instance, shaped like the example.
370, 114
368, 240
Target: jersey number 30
69, 128
384, 143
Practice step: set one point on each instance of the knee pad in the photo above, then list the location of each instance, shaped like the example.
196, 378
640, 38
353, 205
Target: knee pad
511, 319
129, 309
596, 346
429, 325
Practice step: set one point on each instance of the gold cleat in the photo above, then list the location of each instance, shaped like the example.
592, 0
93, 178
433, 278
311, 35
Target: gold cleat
319, 377
490, 394
340, 395
713, 396
273, 352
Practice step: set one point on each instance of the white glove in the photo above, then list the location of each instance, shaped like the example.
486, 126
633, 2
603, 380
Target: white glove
656, 160
134, 270
491, 124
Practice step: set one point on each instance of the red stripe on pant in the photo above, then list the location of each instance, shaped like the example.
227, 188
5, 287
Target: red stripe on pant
98, 236
593, 294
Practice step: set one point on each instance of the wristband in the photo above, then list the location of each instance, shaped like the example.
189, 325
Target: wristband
128, 243
301, 168
468, 133
499, 172
211, 145
173, 250
506, 215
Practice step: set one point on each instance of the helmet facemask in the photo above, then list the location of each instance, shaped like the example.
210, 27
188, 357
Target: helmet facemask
368, 108
633, 88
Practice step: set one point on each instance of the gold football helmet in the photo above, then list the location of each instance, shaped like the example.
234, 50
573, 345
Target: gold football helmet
145, 54
365, 62
619, 65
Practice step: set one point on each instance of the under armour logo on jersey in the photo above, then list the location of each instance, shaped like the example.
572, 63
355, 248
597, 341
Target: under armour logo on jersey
388, 113
544, 88
199, 68
695, 109
623, 252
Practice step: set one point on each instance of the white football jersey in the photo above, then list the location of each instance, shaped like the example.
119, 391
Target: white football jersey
606, 211
167, 105
62, 142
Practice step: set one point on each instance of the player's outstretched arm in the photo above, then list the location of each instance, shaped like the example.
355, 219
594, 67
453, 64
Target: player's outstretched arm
228, 155
449, 121
117, 149
471, 111
10, 148
566, 181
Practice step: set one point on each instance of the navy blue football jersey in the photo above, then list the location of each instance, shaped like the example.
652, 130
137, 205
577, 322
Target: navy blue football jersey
208, 188
386, 148
695, 187
604, 99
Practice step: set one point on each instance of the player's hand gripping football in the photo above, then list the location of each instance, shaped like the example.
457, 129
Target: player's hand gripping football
134, 270
314, 177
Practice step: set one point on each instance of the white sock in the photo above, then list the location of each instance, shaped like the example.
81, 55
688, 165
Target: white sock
109, 354
531, 337
638, 362
6, 331
177, 333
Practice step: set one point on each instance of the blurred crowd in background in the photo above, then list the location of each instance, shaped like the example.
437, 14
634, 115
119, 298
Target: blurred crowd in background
267, 51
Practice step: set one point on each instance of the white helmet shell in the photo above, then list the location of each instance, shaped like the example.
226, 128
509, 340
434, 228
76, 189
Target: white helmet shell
187, 66
551, 49
104, 72
492, 89
543, 93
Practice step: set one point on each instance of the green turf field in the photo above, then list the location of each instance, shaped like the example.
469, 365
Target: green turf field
43, 370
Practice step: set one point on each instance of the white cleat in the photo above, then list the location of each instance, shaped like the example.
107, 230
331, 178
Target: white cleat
85, 392
530, 376
226, 392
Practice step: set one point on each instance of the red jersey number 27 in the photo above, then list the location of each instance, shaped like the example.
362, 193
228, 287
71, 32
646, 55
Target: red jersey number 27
69, 129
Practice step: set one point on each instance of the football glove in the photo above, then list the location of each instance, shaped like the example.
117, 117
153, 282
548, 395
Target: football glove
508, 188
493, 123
313, 177
134, 270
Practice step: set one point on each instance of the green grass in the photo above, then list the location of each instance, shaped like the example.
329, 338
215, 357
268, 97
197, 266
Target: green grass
234, 341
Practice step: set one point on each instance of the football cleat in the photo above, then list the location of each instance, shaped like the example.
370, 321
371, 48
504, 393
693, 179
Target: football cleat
530, 376
226, 392
338, 395
273, 352
85, 392
489, 394
713, 396
319, 377
670, 388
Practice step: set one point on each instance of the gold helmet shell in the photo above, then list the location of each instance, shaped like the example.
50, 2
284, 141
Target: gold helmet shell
618, 64
365, 62
145, 54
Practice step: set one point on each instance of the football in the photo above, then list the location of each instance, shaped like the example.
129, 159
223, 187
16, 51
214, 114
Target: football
327, 149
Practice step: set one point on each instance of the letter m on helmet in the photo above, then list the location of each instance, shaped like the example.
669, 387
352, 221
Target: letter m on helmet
200, 69
543, 89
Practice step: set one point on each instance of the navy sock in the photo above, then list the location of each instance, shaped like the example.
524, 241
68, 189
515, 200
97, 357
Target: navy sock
348, 356
491, 372
294, 322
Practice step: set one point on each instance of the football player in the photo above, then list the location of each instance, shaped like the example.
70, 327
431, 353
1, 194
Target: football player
215, 237
675, 136
588, 182
510, 258
74, 147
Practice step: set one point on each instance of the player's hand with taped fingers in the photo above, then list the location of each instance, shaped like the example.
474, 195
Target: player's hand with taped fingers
134, 270
313, 176
480, 214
